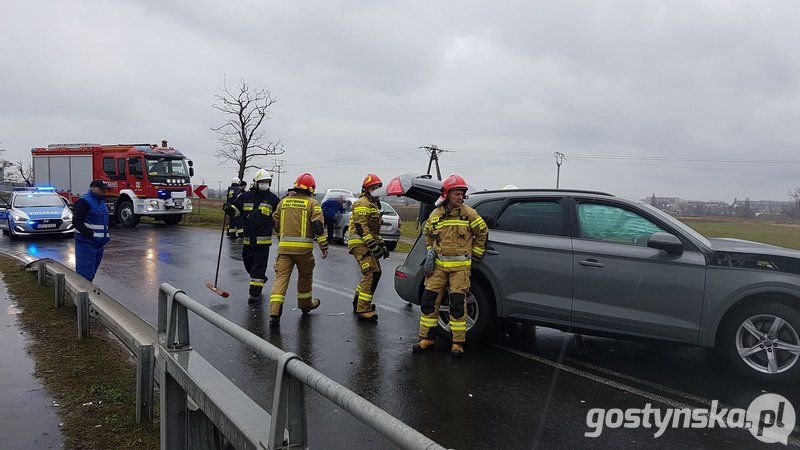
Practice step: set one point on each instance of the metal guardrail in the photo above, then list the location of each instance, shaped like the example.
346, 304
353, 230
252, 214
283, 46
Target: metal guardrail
197, 402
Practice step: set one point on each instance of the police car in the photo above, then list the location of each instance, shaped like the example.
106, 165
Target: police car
33, 211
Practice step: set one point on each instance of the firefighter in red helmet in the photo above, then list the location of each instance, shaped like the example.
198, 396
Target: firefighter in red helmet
455, 236
298, 223
366, 245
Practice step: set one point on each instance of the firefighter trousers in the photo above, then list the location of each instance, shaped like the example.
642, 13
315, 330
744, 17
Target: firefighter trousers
435, 285
284, 264
255, 262
371, 270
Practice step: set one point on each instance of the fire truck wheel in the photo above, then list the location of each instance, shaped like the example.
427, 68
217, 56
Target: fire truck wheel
125, 215
172, 219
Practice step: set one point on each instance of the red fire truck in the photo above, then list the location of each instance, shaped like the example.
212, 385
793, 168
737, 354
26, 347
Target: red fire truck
143, 179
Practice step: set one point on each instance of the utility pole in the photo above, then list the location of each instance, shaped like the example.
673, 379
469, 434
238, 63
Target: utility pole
219, 188
559, 159
277, 165
433, 152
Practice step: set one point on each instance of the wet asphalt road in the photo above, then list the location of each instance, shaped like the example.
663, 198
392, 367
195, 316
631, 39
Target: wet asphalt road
519, 388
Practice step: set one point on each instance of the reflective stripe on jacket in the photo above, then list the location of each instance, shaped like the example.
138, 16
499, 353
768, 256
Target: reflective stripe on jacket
293, 223
256, 207
365, 223
96, 219
456, 236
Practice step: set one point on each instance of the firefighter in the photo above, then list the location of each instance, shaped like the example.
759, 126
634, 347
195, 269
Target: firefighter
455, 236
298, 222
255, 208
236, 225
367, 246
91, 229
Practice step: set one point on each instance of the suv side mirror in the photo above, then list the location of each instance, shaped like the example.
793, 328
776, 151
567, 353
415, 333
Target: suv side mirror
667, 242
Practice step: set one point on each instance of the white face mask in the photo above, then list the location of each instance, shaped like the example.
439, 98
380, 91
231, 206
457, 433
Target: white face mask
263, 186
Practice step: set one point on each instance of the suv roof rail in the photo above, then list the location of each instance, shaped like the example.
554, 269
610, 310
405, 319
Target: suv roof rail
575, 191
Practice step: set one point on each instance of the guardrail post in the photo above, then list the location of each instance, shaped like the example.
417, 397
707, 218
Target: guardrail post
83, 315
59, 289
145, 361
288, 408
177, 324
172, 413
41, 270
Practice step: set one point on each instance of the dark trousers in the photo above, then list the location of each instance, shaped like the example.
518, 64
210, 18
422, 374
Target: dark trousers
255, 262
329, 223
87, 259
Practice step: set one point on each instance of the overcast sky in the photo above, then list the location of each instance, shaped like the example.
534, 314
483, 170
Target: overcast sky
695, 99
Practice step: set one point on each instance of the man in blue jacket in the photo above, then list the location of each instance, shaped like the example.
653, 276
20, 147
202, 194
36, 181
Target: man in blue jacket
332, 210
90, 219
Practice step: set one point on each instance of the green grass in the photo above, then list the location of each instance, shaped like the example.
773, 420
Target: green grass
91, 379
783, 233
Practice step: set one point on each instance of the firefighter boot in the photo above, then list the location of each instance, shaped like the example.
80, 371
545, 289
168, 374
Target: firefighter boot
368, 316
457, 350
423, 344
355, 304
253, 299
275, 319
314, 305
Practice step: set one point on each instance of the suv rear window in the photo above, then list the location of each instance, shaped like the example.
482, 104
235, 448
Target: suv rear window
532, 216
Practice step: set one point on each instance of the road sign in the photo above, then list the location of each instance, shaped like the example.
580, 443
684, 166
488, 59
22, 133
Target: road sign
199, 191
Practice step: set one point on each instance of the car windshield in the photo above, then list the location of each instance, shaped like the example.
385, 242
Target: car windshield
166, 167
676, 223
33, 200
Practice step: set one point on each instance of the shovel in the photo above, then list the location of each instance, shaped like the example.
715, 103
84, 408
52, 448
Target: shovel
214, 287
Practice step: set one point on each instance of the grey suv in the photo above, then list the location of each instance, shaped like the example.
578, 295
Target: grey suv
593, 263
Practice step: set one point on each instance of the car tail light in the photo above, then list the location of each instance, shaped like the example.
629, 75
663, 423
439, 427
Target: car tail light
399, 274
399, 223
394, 187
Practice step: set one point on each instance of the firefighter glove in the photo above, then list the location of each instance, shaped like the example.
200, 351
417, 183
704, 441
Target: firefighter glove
230, 210
378, 251
385, 251
88, 234
430, 259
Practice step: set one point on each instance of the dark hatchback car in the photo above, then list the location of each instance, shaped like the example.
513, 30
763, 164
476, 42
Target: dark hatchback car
590, 262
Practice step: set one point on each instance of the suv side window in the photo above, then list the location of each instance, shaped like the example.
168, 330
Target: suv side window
614, 224
532, 216
485, 209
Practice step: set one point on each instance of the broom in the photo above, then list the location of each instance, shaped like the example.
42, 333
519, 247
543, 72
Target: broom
214, 287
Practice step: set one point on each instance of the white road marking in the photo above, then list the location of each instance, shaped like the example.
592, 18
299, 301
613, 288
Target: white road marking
630, 389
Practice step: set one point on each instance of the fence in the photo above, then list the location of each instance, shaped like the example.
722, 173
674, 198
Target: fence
199, 407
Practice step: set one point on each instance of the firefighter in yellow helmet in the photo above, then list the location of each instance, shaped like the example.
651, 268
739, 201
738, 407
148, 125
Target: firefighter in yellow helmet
298, 222
455, 236
366, 245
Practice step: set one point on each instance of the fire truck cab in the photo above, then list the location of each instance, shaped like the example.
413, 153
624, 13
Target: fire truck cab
143, 179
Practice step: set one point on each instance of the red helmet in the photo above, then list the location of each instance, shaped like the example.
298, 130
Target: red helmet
306, 182
369, 181
451, 182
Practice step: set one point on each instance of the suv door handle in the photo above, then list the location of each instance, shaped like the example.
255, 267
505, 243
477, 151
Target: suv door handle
591, 263
491, 251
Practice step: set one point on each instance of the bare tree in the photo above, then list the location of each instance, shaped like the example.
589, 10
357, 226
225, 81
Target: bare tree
793, 209
23, 171
4, 164
245, 111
